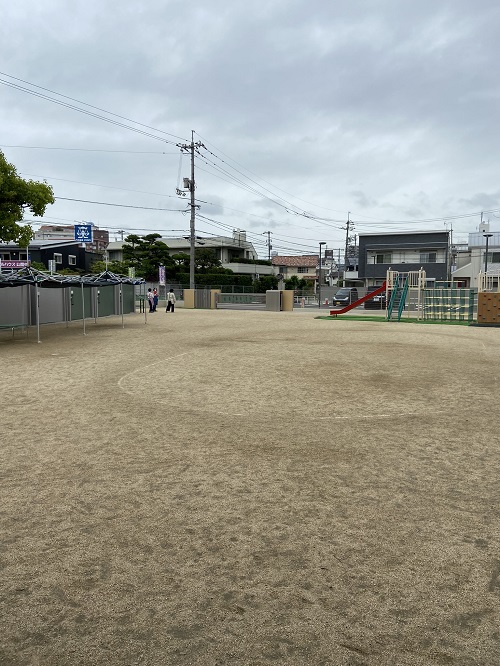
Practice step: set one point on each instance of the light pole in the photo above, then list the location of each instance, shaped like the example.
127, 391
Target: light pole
487, 236
319, 274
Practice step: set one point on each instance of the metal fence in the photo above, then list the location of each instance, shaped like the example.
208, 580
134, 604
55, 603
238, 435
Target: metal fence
242, 301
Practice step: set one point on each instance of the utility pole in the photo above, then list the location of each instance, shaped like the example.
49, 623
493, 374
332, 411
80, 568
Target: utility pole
319, 273
346, 245
268, 243
192, 237
189, 183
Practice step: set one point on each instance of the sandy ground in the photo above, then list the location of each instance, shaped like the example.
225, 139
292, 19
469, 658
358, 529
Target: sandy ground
250, 488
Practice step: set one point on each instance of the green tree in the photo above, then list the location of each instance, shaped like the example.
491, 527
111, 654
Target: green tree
38, 265
205, 261
264, 283
146, 254
181, 263
118, 267
298, 283
292, 283
16, 196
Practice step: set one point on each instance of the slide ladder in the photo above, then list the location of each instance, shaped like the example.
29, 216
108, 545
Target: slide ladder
398, 297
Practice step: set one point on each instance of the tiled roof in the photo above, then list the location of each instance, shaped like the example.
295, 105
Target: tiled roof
304, 260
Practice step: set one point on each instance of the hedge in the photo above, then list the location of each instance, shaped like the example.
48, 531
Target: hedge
207, 279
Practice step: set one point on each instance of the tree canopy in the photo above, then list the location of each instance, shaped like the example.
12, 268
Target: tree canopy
146, 254
16, 196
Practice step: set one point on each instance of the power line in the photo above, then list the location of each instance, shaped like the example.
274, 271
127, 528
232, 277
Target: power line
95, 150
107, 203
85, 112
286, 204
263, 179
91, 106
110, 187
357, 215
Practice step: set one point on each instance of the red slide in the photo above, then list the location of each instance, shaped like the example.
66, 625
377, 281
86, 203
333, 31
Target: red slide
370, 294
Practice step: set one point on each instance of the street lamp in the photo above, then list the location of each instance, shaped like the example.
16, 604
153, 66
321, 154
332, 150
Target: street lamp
319, 274
487, 236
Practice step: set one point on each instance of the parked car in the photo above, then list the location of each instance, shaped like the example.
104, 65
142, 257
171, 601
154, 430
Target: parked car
378, 302
345, 296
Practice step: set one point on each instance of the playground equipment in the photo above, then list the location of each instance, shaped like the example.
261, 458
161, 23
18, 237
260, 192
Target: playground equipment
488, 299
409, 295
360, 301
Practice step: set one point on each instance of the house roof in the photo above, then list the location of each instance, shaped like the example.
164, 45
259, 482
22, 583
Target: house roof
302, 260
201, 241
40, 244
403, 233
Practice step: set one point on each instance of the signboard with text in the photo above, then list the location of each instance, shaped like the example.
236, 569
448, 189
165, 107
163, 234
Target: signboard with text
161, 275
83, 233
13, 263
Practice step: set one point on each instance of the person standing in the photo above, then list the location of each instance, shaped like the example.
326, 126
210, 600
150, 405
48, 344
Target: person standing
150, 299
155, 299
170, 300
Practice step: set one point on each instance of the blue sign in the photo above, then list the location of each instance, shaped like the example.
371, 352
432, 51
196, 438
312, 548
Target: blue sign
83, 233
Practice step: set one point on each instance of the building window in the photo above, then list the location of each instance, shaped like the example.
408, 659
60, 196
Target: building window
302, 269
57, 258
428, 257
383, 258
494, 257
282, 269
72, 260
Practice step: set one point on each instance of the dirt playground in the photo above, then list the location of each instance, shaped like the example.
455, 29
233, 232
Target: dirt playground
250, 488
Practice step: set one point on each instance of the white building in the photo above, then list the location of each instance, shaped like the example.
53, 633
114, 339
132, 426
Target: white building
473, 260
227, 249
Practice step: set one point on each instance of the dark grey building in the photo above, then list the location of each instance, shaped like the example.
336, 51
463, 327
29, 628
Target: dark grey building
65, 254
403, 251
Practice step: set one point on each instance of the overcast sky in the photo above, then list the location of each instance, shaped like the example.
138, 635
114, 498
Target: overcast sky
387, 109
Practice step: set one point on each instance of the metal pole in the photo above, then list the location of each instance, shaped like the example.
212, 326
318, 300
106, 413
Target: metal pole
38, 313
121, 303
487, 236
346, 246
319, 275
192, 220
144, 305
83, 310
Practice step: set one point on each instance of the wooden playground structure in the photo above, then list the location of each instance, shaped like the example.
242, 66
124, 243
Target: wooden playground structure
409, 295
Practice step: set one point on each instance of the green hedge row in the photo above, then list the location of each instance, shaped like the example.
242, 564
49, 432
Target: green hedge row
216, 279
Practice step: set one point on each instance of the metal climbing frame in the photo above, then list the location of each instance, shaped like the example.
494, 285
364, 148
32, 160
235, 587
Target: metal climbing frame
399, 285
443, 302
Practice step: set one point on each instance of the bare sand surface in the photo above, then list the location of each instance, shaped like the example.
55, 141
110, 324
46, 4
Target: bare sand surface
250, 488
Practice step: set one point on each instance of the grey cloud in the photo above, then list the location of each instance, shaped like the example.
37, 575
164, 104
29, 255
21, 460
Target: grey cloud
326, 101
482, 201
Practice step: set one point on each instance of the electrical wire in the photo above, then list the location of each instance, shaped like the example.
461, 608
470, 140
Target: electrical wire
110, 187
95, 150
91, 106
107, 203
286, 204
85, 112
